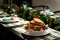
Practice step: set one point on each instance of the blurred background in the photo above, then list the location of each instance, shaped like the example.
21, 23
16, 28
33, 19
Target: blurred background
53, 4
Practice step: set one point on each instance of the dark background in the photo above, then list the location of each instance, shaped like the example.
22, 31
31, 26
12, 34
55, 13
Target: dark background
7, 35
18, 2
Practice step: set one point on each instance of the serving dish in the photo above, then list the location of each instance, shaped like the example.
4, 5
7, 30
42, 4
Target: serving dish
8, 19
32, 33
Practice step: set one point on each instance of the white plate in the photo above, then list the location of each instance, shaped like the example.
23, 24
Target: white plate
9, 21
15, 19
30, 33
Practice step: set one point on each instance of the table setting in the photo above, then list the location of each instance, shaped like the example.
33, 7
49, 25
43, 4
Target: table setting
31, 25
49, 34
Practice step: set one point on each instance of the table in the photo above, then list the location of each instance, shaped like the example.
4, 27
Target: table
53, 34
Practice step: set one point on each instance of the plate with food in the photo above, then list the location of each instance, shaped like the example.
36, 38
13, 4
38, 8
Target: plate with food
9, 19
36, 27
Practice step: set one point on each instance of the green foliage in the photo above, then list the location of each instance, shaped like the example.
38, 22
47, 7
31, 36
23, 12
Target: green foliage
43, 18
9, 9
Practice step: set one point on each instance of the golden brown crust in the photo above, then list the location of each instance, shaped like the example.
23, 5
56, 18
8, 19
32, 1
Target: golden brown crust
36, 25
38, 20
